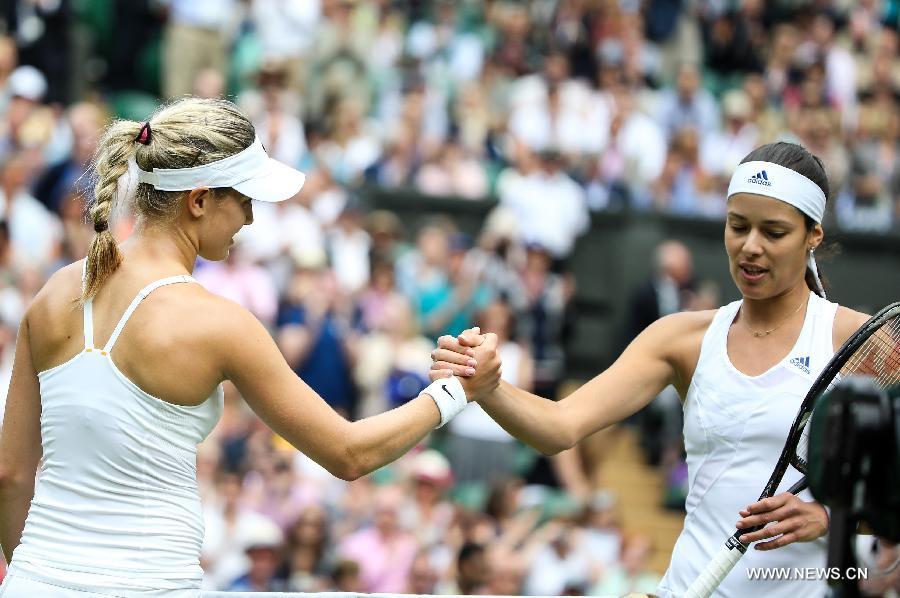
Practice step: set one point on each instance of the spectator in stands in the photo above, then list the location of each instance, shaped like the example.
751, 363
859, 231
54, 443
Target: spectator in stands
688, 104
349, 247
244, 282
551, 208
632, 160
230, 528
85, 121
196, 37
721, 152
346, 577
275, 118
542, 323
668, 291
43, 31
685, 187
508, 572
601, 536
286, 29
309, 551
264, 551
423, 577
472, 570
398, 165
392, 365
26, 87
314, 335
560, 565
428, 515
350, 147
384, 550
453, 304
9, 58
454, 171
35, 233
632, 574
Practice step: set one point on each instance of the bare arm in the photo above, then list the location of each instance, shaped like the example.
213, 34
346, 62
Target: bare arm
348, 450
20, 445
646, 367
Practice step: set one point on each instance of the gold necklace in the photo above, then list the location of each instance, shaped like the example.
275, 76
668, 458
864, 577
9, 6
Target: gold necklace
759, 334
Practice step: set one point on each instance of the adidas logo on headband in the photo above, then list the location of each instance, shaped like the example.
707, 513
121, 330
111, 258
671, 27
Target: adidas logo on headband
760, 178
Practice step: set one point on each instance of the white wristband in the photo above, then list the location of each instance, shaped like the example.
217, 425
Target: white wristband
449, 396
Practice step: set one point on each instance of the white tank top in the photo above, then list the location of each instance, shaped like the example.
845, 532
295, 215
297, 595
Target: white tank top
116, 505
735, 427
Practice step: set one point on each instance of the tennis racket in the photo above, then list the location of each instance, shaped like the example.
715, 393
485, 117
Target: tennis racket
873, 351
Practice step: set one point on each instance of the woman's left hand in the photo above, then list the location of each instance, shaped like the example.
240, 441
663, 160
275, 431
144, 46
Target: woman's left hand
788, 517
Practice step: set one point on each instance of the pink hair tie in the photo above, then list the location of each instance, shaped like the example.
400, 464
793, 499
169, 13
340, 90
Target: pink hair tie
143, 135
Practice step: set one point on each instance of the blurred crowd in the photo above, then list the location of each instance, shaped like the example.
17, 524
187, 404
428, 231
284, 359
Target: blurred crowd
556, 108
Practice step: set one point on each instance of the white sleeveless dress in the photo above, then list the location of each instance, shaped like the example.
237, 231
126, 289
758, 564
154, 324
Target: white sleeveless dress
735, 427
116, 511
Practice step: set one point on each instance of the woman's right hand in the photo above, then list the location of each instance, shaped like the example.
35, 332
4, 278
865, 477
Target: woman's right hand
473, 357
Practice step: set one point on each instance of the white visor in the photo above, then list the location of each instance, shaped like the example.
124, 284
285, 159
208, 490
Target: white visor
250, 171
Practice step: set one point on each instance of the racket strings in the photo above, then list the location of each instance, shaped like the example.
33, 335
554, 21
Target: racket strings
878, 358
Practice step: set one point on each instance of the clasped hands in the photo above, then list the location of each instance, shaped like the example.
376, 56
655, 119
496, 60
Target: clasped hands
472, 357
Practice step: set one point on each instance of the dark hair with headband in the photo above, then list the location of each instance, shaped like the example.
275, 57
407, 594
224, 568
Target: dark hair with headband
800, 160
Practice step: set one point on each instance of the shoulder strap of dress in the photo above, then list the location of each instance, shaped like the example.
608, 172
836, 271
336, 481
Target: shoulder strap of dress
142, 294
88, 312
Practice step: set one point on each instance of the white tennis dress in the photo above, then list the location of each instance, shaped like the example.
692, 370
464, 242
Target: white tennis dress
116, 511
735, 427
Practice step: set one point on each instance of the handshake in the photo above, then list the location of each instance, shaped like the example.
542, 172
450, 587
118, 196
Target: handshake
472, 357
464, 368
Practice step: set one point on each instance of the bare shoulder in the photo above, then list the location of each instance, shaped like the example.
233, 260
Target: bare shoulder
683, 324
846, 322
216, 313
677, 338
53, 305
222, 321
62, 288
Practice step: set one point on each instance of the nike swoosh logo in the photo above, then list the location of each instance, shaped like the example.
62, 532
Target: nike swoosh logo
444, 386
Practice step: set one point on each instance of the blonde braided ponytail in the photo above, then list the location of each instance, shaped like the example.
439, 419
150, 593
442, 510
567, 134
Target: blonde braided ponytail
111, 162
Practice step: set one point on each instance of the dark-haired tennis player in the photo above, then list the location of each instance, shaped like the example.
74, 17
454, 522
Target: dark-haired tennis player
742, 372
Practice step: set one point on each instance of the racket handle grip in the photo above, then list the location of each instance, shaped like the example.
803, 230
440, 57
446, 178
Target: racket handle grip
800, 486
717, 569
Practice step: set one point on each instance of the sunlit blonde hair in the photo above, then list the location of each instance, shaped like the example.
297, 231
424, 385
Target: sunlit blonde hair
188, 132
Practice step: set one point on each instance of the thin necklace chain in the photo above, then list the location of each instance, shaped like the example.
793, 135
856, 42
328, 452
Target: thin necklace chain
760, 334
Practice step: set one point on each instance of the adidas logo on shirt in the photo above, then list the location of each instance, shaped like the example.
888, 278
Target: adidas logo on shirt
760, 178
802, 363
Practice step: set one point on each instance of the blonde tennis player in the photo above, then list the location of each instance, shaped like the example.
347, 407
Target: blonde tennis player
119, 363
742, 372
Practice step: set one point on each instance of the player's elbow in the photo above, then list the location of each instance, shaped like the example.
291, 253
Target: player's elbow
561, 432
346, 467
349, 473
555, 445
14, 480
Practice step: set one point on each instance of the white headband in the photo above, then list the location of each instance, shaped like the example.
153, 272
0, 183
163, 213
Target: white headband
784, 184
250, 171
774, 180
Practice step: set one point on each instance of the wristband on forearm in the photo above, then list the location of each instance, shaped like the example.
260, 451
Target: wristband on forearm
449, 396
